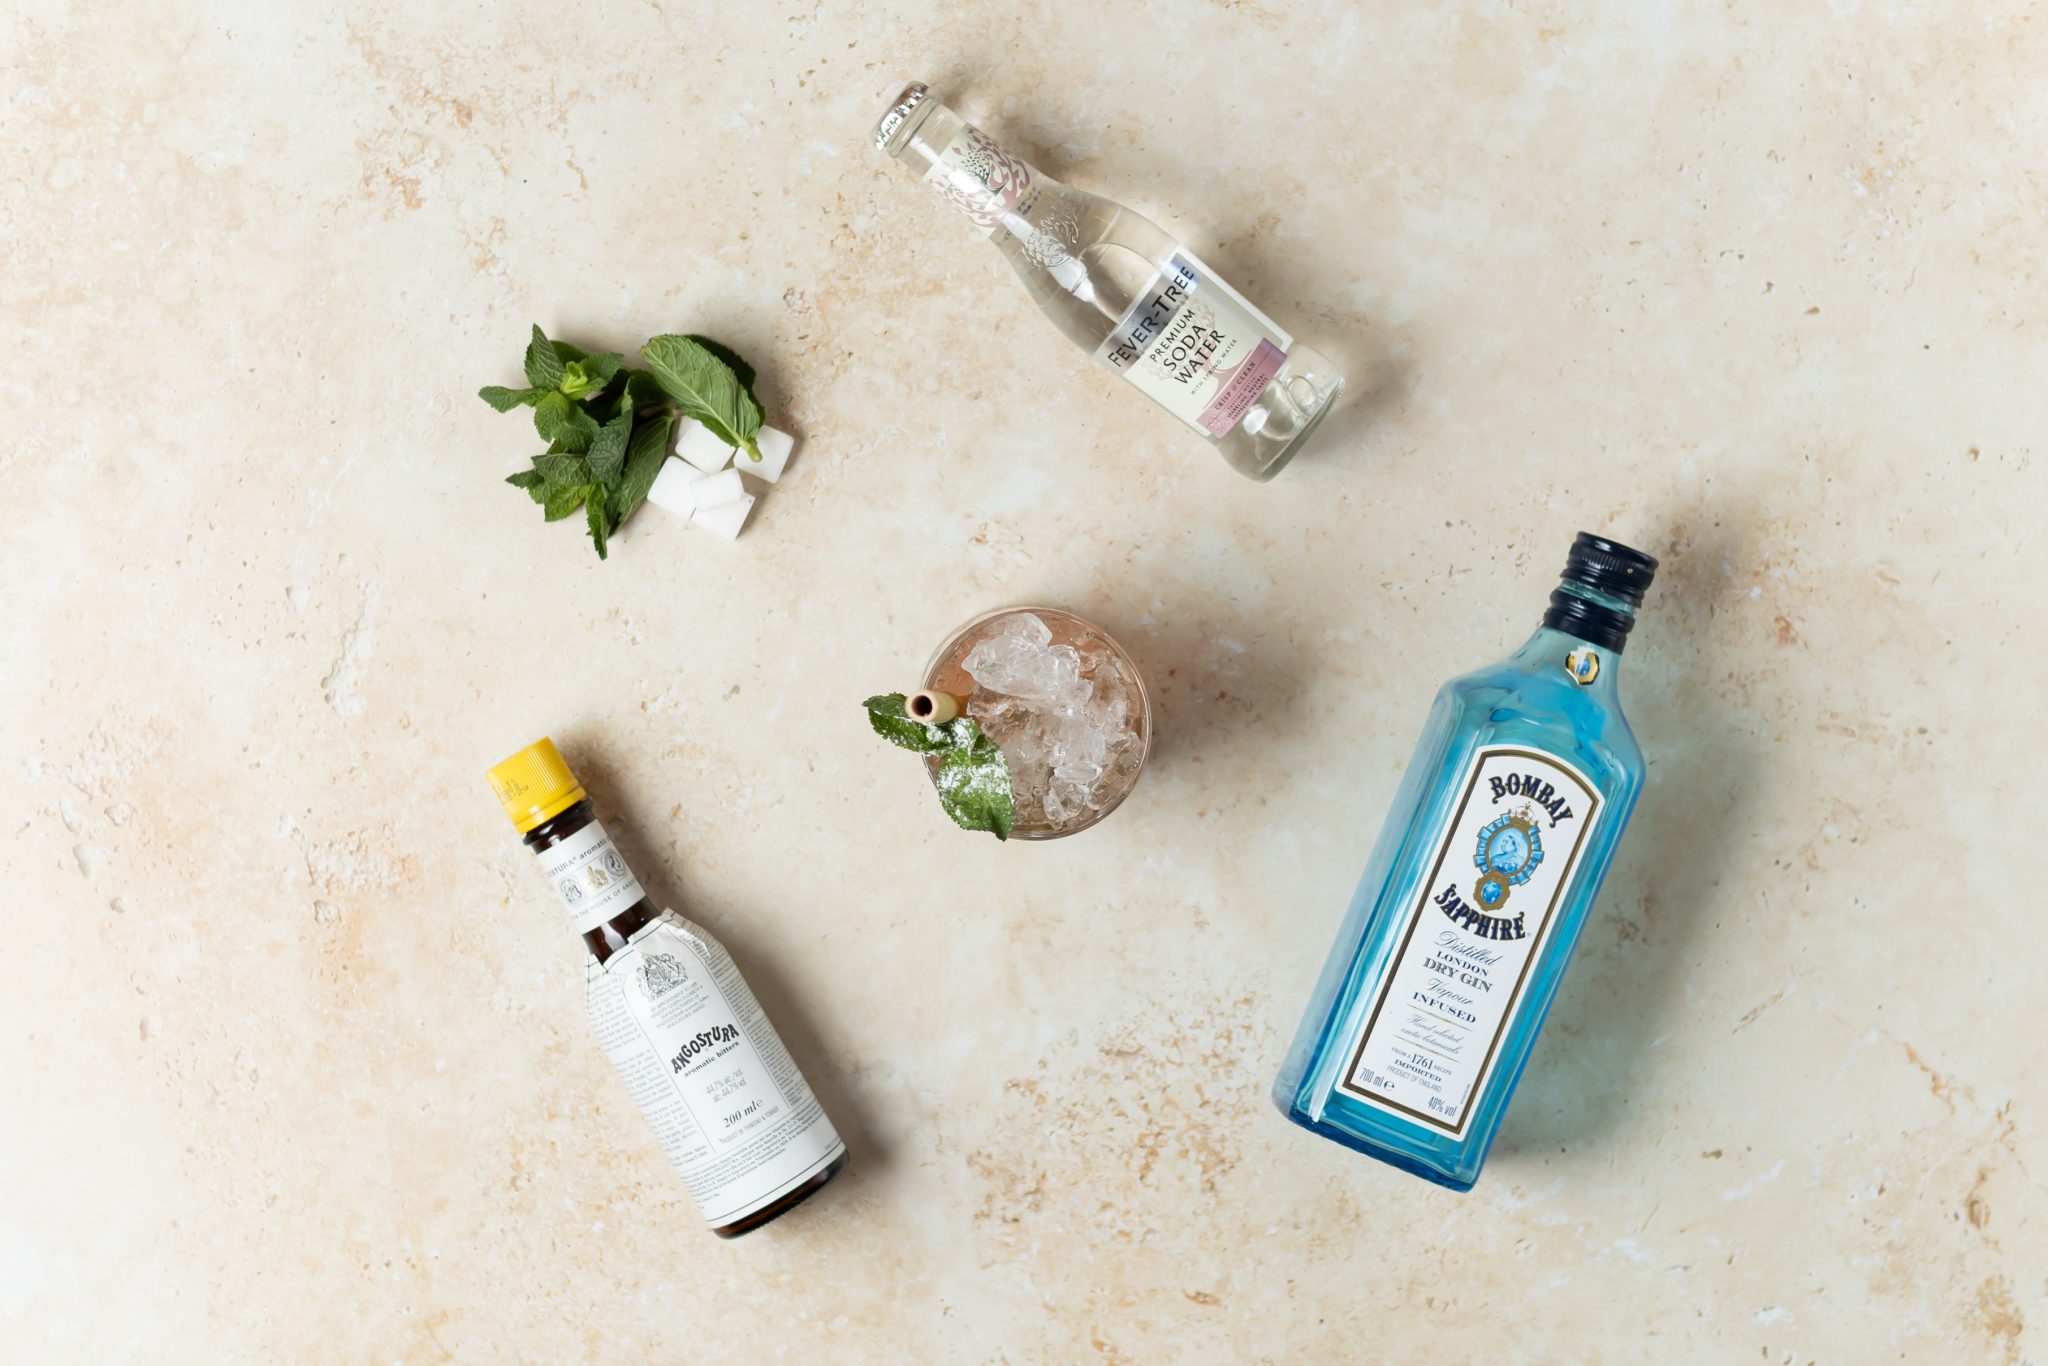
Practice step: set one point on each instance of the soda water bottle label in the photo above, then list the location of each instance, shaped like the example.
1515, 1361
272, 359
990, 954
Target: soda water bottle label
736, 1118
590, 877
1496, 875
988, 184
1196, 346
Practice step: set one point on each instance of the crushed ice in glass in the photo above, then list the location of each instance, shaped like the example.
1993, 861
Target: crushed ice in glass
1062, 713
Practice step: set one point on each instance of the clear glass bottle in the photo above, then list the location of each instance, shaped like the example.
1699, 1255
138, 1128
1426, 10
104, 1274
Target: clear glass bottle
668, 1006
1454, 946
1124, 291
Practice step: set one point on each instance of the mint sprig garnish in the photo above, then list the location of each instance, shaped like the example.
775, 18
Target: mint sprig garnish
608, 425
973, 777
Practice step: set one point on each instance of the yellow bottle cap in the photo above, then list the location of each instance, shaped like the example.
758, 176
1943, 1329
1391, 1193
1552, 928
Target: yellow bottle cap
534, 785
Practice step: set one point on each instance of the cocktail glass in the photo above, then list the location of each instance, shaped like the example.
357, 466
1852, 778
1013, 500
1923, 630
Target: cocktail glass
1075, 747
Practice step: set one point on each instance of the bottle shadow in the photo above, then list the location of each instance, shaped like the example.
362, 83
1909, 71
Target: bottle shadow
1371, 357
1626, 983
1292, 284
867, 1156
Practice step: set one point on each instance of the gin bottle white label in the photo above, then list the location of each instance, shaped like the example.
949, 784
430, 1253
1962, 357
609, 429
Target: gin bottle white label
736, 1118
1497, 873
1195, 345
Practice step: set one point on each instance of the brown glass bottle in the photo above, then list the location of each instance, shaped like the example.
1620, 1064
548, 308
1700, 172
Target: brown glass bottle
605, 940
735, 1116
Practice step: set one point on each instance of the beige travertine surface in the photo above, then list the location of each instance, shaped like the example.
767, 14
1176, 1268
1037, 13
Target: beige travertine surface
294, 1065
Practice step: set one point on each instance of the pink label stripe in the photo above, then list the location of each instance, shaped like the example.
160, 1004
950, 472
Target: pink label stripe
1228, 408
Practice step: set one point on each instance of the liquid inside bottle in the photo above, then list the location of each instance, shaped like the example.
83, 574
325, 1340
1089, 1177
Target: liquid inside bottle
1454, 946
733, 1113
1126, 292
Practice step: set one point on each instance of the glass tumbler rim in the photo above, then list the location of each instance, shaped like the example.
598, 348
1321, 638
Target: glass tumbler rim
1123, 656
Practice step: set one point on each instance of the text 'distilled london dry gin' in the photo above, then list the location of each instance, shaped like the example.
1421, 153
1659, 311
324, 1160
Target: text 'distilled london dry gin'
1458, 937
1123, 290
733, 1113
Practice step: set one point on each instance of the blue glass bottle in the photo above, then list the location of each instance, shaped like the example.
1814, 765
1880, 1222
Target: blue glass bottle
1499, 838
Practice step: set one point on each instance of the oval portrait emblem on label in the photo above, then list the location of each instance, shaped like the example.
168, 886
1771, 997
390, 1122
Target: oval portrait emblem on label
1510, 850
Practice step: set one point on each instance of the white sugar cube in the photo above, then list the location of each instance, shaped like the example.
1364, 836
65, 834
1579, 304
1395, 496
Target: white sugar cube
671, 490
716, 490
775, 448
725, 519
696, 444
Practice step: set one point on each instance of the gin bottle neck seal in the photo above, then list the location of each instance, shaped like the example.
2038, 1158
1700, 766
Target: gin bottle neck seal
1589, 621
1603, 583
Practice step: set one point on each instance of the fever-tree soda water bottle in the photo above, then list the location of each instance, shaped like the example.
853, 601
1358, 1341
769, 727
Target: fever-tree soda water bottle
1482, 877
1125, 291
671, 1011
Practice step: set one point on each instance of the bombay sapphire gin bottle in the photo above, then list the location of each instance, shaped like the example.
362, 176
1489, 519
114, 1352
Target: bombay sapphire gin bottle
1499, 838
1125, 291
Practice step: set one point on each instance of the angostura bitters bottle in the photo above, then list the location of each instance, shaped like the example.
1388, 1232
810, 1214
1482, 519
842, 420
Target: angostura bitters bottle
667, 1005
1124, 291
1500, 835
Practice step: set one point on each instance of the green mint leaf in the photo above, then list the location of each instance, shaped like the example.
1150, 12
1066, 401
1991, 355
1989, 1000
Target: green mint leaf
588, 377
608, 451
530, 480
705, 388
964, 733
974, 782
549, 414
898, 727
644, 455
505, 400
643, 391
594, 515
563, 502
741, 370
571, 428
566, 353
560, 470
543, 364
536, 487
577, 384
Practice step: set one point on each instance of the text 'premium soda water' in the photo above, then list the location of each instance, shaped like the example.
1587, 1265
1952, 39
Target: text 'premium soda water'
1124, 291
735, 1116
1485, 869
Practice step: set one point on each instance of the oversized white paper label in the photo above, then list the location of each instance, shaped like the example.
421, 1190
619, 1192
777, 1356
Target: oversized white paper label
1194, 345
1497, 872
590, 877
736, 1118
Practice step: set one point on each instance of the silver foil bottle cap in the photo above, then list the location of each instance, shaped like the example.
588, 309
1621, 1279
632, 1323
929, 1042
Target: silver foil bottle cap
913, 95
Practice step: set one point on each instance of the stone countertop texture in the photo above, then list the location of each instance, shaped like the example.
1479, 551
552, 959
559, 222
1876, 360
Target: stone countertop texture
294, 1064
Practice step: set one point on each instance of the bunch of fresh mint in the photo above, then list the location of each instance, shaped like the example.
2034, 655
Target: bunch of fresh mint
973, 776
608, 425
